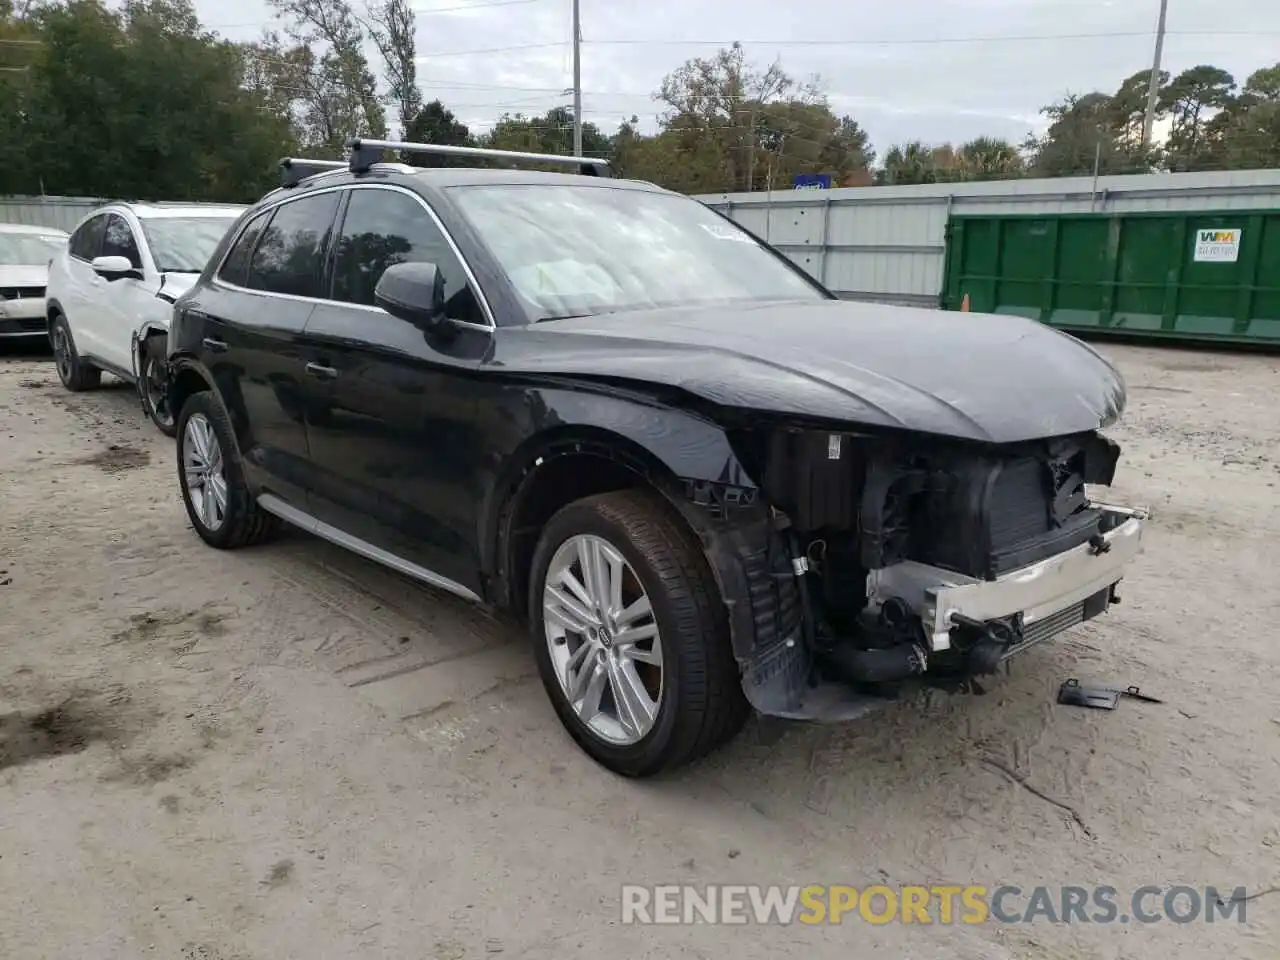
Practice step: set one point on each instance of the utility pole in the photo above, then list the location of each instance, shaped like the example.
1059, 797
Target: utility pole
577, 81
1152, 88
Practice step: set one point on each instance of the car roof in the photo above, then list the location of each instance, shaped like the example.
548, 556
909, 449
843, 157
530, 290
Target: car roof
31, 229
446, 177
476, 176
156, 211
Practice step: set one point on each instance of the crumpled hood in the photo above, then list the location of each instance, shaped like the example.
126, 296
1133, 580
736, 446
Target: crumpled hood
176, 284
983, 377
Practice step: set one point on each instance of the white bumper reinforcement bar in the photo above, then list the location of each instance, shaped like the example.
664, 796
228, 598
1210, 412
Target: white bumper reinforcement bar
1036, 591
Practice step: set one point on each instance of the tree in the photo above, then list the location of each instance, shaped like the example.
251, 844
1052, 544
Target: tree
1247, 131
391, 26
279, 75
764, 124
910, 163
434, 123
1192, 99
140, 103
550, 133
986, 158
1263, 86
1126, 112
338, 97
1082, 134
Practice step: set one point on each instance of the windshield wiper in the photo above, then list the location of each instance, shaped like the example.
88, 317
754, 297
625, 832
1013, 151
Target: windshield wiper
564, 316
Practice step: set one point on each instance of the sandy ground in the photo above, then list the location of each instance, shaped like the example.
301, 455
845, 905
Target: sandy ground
287, 752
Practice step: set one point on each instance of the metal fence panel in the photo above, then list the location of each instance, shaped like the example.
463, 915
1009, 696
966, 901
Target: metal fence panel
889, 243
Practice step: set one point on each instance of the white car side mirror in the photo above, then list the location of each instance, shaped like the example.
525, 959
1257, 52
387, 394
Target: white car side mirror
114, 268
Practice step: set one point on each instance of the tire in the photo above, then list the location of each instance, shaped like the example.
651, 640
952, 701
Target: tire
239, 522
76, 375
153, 388
699, 704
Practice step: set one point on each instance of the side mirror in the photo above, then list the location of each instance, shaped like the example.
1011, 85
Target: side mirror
115, 268
412, 292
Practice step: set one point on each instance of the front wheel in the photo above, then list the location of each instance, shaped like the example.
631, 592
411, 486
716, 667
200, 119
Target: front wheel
630, 635
153, 385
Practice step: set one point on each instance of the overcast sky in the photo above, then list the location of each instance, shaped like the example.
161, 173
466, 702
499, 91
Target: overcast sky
911, 86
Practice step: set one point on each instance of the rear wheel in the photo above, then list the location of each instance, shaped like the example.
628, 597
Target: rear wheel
76, 375
219, 503
630, 635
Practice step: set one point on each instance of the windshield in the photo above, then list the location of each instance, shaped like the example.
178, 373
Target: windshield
184, 244
574, 250
29, 249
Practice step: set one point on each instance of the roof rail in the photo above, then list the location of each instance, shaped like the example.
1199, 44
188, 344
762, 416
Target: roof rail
365, 153
293, 170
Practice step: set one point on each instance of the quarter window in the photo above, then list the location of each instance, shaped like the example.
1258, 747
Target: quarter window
384, 227
289, 255
235, 269
118, 241
87, 240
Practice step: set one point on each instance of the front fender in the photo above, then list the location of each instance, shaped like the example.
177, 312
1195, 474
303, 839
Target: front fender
139, 336
687, 457
691, 462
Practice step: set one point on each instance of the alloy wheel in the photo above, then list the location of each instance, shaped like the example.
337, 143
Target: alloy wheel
603, 640
202, 471
156, 391
62, 353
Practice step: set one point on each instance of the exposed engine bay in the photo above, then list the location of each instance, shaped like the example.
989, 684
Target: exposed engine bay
919, 559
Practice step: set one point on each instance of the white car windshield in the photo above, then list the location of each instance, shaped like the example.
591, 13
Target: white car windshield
184, 244
29, 249
581, 250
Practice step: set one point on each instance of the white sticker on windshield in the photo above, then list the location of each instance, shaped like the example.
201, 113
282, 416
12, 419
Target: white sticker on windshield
725, 233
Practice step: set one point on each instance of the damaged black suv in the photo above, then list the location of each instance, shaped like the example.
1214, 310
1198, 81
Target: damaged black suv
706, 483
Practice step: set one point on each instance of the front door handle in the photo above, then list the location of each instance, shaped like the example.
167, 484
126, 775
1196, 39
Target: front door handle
217, 346
321, 371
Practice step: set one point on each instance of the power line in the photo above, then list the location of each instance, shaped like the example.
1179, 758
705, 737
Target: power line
928, 41
427, 11
863, 42
468, 53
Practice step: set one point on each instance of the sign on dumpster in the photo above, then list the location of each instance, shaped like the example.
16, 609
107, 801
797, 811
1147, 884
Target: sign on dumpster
1217, 246
812, 181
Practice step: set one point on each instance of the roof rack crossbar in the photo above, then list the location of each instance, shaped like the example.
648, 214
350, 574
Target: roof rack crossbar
367, 152
293, 170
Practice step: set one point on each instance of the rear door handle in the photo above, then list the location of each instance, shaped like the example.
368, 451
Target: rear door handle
321, 371
217, 346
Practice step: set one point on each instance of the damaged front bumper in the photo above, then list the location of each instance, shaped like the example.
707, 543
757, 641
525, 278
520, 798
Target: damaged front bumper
1027, 606
1037, 595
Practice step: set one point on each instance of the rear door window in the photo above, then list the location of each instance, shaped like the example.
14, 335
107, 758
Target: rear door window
289, 256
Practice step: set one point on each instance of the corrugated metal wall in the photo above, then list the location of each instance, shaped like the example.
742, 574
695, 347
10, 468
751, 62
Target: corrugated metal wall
888, 243
62, 213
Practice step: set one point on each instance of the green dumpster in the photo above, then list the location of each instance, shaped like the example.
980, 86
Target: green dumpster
1202, 276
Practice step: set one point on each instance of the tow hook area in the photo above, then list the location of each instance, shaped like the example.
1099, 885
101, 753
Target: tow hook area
988, 646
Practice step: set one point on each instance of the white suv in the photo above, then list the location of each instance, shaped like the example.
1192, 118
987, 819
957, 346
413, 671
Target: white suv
111, 292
